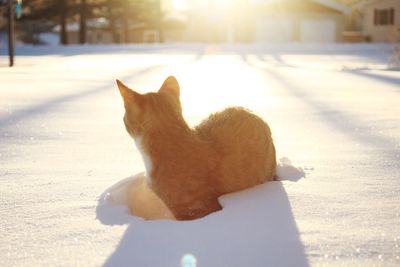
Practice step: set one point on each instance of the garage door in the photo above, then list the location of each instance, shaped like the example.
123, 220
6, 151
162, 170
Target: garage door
274, 30
318, 31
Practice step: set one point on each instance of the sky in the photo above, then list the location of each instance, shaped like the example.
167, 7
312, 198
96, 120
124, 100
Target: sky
185, 4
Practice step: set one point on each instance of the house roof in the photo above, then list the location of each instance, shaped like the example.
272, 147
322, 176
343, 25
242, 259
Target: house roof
334, 5
364, 3
330, 4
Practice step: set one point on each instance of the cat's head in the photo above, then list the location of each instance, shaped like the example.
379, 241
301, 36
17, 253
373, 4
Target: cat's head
151, 111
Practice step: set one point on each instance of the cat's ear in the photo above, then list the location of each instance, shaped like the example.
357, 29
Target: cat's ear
171, 85
127, 94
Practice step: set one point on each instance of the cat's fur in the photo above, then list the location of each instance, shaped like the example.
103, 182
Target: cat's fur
190, 168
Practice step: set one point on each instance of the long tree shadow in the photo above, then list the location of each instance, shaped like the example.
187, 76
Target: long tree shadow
34, 110
49, 104
280, 62
255, 228
341, 120
375, 76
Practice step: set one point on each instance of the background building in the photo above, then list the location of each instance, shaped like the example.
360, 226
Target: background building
264, 21
299, 20
381, 20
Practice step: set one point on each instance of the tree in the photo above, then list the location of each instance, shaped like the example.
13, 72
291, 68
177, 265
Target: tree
62, 11
120, 13
82, 22
55, 11
128, 12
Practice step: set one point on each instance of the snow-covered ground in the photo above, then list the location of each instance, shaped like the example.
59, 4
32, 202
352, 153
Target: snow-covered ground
334, 111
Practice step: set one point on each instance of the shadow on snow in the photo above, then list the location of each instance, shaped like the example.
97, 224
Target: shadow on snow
339, 119
256, 226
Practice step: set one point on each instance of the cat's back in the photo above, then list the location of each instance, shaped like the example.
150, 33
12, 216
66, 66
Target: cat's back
232, 120
244, 144
232, 127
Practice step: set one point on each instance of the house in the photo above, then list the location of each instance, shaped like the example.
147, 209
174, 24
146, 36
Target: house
142, 32
264, 21
97, 32
307, 21
381, 20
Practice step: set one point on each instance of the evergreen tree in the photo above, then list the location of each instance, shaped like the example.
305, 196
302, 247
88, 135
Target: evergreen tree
118, 12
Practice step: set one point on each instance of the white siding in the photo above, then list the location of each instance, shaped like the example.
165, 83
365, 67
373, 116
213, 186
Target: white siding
318, 31
274, 30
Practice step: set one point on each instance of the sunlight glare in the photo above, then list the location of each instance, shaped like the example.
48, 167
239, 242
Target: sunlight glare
180, 4
215, 4
219, 81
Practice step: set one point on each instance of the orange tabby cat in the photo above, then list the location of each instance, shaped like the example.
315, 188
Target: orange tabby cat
190, 168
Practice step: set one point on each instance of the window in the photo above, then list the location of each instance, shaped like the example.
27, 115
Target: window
384, 16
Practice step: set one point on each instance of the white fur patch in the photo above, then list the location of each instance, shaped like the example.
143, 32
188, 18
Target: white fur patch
146, 158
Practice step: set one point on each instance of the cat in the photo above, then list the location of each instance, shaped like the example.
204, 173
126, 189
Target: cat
188, 169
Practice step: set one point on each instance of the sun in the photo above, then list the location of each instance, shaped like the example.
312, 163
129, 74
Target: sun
179, 4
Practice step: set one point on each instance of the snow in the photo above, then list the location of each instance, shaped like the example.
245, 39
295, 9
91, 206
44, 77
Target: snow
207, 239
286, 171
49, 39
335, 117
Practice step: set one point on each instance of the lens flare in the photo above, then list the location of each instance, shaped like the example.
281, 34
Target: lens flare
188, 260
